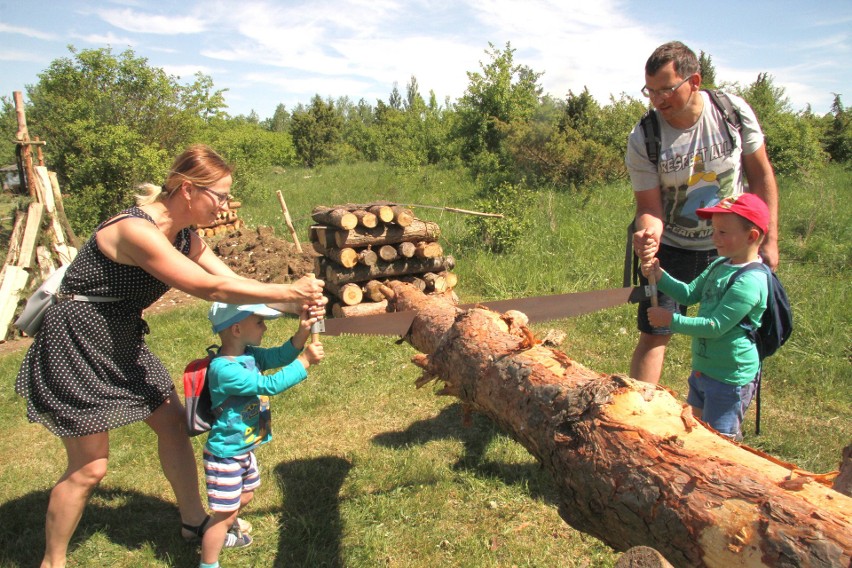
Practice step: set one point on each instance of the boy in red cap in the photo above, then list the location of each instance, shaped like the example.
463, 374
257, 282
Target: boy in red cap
725, 362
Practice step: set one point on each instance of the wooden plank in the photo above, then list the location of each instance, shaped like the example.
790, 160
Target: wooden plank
60, 211
14, 283
14, 242
45, 190
31, 232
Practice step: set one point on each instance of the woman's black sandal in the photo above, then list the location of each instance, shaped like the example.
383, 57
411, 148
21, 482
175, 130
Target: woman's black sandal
196, 530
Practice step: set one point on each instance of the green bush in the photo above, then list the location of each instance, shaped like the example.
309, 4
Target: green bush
514, 202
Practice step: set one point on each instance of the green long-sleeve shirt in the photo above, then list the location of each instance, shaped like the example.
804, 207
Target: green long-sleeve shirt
721, 348
238, 385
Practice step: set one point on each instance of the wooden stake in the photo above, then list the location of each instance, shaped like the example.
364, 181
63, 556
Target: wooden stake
23, 138
289, 221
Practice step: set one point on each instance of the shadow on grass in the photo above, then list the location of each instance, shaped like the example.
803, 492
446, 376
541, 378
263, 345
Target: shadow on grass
310, 518
126, 518
475, 438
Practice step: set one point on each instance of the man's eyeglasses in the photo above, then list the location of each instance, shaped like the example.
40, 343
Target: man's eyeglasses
663, 93
222, 198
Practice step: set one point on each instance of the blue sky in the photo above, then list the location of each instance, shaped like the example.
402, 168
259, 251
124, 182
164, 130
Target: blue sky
267, 52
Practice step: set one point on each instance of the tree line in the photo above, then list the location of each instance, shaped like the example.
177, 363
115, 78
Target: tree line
113, 121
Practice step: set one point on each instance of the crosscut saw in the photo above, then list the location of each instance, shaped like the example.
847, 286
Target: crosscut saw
536, 308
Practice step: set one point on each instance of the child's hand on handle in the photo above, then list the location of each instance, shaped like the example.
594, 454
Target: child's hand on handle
660, 317
307, 318
652, 270
312, 355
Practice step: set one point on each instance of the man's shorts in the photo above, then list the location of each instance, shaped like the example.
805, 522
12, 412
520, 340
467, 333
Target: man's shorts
684, 265
722, 405
228, 479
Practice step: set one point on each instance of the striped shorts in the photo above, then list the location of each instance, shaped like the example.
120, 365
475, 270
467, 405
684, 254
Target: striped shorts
228, 479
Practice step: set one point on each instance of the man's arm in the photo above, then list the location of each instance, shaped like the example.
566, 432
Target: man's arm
761, 182
649, 223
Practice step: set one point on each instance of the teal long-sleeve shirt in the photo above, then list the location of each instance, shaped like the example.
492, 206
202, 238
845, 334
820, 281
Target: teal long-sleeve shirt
240, 387
721, 348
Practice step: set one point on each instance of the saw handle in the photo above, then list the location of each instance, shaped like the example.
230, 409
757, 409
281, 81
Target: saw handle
652, 288
317, 326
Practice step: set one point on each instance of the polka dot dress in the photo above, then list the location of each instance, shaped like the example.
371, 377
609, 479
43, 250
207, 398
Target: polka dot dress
89, 369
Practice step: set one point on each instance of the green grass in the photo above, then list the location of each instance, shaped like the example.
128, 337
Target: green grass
366, 470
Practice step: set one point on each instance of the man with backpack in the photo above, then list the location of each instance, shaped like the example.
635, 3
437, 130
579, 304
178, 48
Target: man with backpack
690, 151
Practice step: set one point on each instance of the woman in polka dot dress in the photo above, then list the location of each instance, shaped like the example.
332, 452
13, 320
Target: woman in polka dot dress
89, 370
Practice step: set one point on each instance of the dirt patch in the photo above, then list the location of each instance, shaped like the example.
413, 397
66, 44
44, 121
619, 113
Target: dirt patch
253, 253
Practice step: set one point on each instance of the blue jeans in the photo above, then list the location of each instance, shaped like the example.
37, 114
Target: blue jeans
722, 405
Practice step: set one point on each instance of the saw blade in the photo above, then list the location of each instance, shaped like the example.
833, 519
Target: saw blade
558, 306
391, 323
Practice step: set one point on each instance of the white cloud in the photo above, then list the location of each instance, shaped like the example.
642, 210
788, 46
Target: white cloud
105, 39
29, 32
139, 22
186, 72
20, 56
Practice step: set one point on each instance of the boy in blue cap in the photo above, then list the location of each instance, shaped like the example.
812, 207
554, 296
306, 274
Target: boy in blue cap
239, 393
725, 361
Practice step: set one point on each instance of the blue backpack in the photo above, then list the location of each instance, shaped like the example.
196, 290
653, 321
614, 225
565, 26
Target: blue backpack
776, 323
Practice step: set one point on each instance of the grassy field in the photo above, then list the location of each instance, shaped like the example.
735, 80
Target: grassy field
366, 470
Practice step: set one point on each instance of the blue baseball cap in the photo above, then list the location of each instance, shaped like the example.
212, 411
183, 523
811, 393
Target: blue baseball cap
225, 315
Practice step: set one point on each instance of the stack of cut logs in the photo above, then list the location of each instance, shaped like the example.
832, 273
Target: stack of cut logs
226, 222
361, 247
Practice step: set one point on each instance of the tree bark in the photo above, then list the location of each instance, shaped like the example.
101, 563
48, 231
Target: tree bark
383, 235
361, 273
843, 483
631, 467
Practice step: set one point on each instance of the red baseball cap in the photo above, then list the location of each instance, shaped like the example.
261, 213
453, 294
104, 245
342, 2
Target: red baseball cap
747, 205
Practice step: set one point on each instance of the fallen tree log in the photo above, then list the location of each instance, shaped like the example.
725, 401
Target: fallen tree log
631, 467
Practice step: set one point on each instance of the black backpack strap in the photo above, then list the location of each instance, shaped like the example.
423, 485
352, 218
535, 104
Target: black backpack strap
631, 261
732, 117
651, 129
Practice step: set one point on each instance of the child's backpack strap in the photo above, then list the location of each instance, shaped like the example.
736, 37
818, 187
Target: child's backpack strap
200, 413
